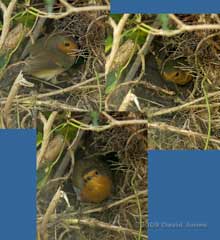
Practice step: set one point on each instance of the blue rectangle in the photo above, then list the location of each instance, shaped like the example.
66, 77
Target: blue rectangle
165, 6
18, 184
184, 196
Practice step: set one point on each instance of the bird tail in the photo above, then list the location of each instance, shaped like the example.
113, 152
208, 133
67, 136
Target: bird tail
9, 75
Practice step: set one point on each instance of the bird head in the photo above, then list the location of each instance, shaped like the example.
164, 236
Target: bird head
63, 44
97, 186
173, 72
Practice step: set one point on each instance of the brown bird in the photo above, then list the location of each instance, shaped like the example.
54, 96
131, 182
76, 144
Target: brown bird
172, 71
50, 56
92, 180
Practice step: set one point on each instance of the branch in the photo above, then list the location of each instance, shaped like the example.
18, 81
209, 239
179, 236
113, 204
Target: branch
92, 222
183, 106
46, 135
117, 31
69, 10
112, 123
166, 127
50, 210
181, 28
7, 12
19, 81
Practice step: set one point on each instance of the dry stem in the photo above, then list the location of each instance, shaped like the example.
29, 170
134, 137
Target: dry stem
188, 133
50, 210
46, 135
182, 27
7, 12
92, 222
117, 31
69, 10
20, 80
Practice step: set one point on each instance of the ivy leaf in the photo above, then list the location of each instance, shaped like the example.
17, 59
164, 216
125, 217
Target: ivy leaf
49, 5
108, 43
3, 60
26, 19
164, 19
111, 81
39, 138
95, 118
116, 17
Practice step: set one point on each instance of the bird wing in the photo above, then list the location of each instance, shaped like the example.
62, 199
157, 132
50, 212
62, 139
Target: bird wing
40, 62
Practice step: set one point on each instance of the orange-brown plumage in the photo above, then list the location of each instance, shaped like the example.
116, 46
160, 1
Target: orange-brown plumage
92, 180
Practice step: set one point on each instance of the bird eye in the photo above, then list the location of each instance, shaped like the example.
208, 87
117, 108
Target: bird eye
66, 44
177, 74
96, 173
88, 179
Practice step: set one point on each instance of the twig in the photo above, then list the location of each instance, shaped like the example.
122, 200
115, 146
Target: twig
188, 133
116, 92
65, 90
116, 203
177, 20
7, 12
46, 135
72, 148
128, 99
183, 106
92, 222
20, 80
53, 105
181, 28
50, 210
103, 208
69, 10
117, 31
113, 123
66, 159
143, 51
12, 93
185, 28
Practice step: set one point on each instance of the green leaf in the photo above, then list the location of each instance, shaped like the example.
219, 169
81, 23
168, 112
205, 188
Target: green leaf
108, 43
116, 17
3, 60
137, 36
26, 19
6, 2
111, 81
39, 138
49, 5
43, 174
42, 177
95, 118
68, 131
164, 19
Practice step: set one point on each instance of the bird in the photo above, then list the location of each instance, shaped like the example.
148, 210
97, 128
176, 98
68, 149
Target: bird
91, 180
172, 71
50, 56
47, 57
